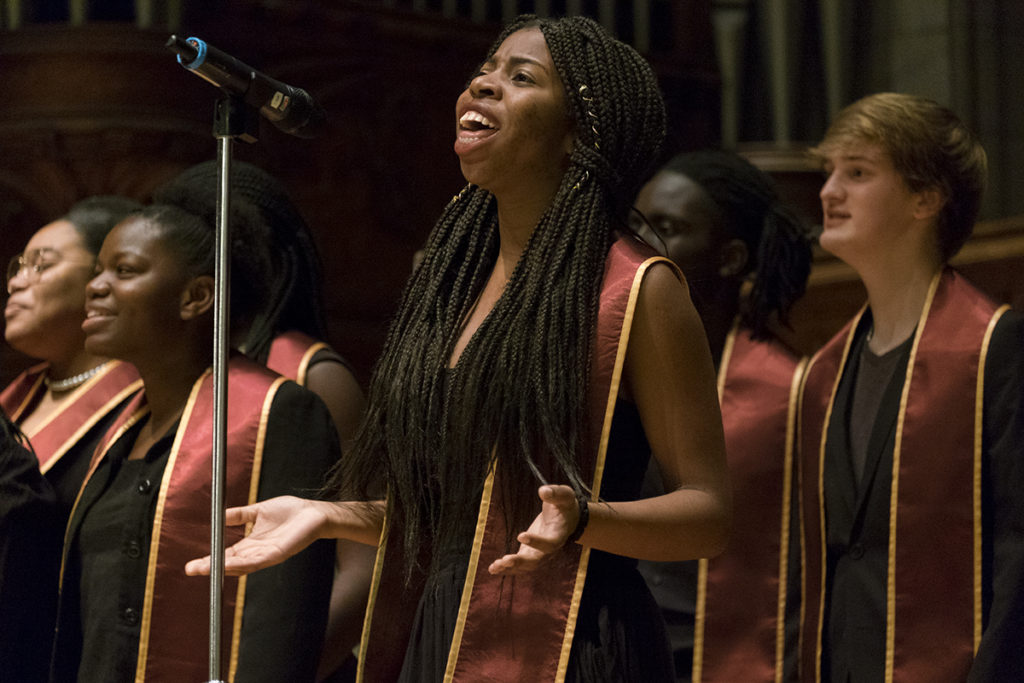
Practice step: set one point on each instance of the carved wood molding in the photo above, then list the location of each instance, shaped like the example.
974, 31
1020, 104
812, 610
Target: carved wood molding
105, 108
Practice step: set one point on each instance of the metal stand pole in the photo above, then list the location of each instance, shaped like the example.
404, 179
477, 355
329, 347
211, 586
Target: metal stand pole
232, 119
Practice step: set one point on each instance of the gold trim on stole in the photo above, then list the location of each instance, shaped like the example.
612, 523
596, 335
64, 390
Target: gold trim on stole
371, 601
699, 617
97, 457
30, 395
979, 404
802, 531
602, 451
787, 496
254, 489
890, 626
300, 372
88, 424
796, 386
70, 401
154, 544
890, 587
282, 353
36, 390
821, 494
474, 561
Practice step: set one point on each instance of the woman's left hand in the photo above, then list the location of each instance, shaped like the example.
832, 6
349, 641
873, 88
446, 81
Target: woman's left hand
558, 517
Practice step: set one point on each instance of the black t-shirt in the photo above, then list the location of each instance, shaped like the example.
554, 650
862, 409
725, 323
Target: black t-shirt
874, 374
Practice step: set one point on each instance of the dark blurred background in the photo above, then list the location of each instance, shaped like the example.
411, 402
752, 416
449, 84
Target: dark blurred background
92, 102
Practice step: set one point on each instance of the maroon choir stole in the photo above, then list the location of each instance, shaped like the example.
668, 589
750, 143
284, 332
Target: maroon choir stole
87, 405
933, 615
517, 628
174, 633
741, 597
290, 354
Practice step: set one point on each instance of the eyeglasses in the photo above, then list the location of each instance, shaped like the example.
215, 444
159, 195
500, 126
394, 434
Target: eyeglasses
33, 262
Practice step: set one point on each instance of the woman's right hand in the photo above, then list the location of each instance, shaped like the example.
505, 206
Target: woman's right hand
282, 527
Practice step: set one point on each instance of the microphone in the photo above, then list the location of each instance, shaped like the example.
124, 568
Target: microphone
292, 110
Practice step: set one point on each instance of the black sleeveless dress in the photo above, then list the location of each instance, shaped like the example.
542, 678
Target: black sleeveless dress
620, 635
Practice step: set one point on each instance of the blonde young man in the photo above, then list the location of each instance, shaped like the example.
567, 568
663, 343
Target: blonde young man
911, 419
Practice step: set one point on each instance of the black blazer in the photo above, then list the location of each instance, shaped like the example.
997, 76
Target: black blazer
857, 520
30, 533
857, 531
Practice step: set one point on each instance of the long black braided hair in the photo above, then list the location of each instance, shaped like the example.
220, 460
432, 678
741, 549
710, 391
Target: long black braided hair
94, 217
778, 242
517, 397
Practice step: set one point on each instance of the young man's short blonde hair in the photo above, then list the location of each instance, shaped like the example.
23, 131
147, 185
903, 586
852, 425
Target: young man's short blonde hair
929, 147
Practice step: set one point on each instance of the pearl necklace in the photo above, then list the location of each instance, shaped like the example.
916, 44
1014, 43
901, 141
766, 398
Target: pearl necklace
59, 385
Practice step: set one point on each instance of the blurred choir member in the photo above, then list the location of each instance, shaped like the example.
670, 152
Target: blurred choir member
30, 532
64, 404
746, 258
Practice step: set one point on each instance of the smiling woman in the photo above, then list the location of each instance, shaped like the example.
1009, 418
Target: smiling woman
64, 404
134, 296
122, 613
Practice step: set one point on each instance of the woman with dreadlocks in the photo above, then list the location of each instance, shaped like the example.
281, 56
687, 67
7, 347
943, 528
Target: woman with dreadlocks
746, 257
527, 360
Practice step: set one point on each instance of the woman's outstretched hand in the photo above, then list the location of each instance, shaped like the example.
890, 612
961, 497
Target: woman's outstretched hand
558, 517
282, 527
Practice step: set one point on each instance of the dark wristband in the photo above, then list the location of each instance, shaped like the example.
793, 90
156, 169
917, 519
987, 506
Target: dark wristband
581, 521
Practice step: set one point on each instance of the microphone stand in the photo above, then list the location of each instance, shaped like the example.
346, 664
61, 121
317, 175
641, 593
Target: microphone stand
232, 119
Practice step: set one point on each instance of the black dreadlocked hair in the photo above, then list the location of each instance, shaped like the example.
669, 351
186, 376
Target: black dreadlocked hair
294, 300
93, 217
778, 242
10, 433
517, 396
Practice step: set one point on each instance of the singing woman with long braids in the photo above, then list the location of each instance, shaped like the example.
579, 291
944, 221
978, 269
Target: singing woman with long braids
537, 359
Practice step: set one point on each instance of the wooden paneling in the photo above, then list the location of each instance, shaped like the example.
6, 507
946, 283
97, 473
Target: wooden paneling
105, 108
99, 109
